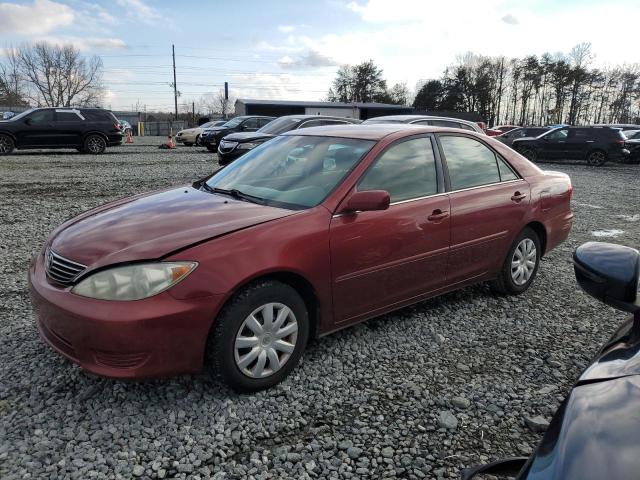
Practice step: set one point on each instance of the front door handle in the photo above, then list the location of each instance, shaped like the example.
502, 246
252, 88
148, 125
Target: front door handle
437, 215
517, 197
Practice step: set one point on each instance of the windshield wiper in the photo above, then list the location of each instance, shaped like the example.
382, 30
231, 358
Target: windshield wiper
235, 193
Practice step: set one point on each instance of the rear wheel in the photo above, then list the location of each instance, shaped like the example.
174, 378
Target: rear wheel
521, 265
597, 158
529, 153
259, 336
95, 144
197, 141
6, 144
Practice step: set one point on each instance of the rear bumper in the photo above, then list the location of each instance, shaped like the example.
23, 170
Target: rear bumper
157, 336
558, 229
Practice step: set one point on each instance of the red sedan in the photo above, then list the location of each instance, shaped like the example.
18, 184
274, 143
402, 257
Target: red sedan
309, 233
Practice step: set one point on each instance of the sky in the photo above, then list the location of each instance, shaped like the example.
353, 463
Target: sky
291, 49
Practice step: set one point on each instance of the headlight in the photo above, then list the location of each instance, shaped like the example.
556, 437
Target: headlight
133, 282
247, 146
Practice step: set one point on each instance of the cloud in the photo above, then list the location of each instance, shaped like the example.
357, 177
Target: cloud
86, 43
510, 19
41, 16
140, 11
286, 28
311, 59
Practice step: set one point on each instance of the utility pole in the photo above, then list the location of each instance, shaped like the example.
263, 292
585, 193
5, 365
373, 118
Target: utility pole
175, 87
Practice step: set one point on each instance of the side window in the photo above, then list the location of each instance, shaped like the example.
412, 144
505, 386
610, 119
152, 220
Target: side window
406, 170
62, 116
470, 163
445, 123
41, 116
251, 123
464, 126
334, 122
560, 134
263, 121
505, 170
579, 133
311, 123
423, 122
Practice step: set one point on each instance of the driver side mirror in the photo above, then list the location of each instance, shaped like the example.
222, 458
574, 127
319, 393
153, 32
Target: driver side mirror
610, 273
367, 201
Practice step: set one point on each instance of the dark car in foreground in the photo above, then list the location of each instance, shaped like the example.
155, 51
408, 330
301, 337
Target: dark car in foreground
210, 137
426, 120
237, 144
89, 130
521, 132
596, 145
313, 231
595, 433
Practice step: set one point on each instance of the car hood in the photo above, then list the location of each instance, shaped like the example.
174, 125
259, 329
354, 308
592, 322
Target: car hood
153, 225
247, 136
190, 130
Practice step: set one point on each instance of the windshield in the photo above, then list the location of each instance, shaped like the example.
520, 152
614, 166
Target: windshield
630, 133
233, 122
21, 115
280, 125
292, 171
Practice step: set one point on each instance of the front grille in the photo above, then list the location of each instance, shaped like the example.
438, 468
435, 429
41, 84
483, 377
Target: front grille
120, 360
60, 269
227, 146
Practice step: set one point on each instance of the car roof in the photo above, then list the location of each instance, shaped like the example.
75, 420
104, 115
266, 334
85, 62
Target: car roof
320, 117
409, 118
369, 131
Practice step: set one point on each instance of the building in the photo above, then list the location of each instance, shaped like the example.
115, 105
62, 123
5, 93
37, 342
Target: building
277, 108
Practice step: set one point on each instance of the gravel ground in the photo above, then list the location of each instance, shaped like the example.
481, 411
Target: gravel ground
420, 393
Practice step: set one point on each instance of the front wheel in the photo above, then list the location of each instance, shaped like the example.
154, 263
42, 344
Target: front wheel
529, 153
6, 145
259, 337
520, 266
597, 158
197, 144
95, 144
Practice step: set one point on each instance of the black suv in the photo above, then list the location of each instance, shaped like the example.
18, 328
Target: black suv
89, 130
596, 145
234, 145
522, 132
210, 137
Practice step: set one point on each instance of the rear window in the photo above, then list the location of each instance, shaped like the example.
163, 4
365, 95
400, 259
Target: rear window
98, 115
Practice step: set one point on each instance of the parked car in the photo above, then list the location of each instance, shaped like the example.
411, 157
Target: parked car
191, 136
426, 120
90, 130
632, 134
521, 132
595, 432
315, 230
237, 144
211, 137
596, 145
125, 127
632, 144
7, 115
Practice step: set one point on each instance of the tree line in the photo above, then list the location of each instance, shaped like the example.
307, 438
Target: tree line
550, 89
48, 75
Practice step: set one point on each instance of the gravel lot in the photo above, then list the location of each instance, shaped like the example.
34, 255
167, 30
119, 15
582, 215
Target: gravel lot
419, 393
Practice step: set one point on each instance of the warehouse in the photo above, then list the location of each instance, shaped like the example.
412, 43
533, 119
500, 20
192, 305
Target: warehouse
278, 108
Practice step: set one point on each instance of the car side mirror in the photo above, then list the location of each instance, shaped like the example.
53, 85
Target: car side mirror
506, 467
610, 273
367, 201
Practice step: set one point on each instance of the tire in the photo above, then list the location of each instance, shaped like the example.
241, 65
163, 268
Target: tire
7, 145
508, 281
211, 148
529, 153
95, 144
597, 158
225, 357
197, 144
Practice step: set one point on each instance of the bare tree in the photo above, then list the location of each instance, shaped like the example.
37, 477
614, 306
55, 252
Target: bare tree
60, 75
12, 88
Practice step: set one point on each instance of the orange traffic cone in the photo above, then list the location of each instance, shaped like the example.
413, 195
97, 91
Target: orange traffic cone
170, 143
129, 137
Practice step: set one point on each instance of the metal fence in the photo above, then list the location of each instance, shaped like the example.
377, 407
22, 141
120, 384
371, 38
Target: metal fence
161, 128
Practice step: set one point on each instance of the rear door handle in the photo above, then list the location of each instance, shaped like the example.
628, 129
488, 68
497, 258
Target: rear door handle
517, 197
437, 215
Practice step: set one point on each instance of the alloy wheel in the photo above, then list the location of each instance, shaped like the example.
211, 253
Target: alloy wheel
529, 154
523, 262
95, 145
6, 144
266, 339
596, 158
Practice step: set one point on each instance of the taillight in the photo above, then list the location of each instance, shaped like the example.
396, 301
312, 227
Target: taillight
116, 126
619, 142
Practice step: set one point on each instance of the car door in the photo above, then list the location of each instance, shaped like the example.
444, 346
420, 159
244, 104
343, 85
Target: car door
554, 144
578, 142
249, 125
381, 259
38, 130
70, 125
488, 204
